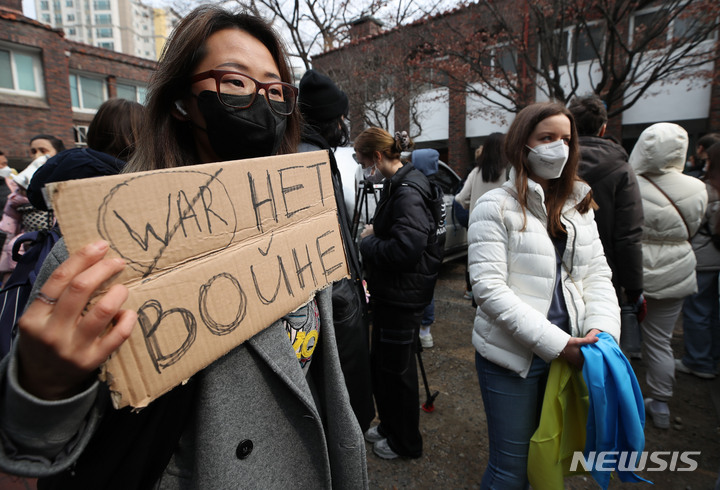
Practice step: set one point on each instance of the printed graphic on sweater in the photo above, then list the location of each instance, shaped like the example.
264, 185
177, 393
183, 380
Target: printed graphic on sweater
303, 329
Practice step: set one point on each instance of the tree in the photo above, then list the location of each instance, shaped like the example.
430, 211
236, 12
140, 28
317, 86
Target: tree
509, 53
315, 26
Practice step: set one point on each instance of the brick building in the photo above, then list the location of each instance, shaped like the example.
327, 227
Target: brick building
446, 116
51, 85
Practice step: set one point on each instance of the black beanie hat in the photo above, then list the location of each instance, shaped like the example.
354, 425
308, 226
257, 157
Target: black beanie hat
320, 99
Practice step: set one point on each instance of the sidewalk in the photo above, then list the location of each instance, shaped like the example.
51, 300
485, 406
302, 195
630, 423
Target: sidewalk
455, 436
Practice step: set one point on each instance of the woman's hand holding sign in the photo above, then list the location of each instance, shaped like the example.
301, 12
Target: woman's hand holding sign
60, 344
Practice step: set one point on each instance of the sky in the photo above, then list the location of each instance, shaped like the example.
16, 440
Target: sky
29, 9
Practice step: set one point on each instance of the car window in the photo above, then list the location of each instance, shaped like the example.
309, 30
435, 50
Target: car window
446, 179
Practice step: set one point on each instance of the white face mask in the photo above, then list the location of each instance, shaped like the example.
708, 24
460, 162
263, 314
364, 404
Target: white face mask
548, 161
372, 174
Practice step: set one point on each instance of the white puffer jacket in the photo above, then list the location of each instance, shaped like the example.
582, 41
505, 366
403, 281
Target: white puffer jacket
668, 258
513, 276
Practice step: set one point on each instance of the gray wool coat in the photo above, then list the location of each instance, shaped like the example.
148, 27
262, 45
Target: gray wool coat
303, 430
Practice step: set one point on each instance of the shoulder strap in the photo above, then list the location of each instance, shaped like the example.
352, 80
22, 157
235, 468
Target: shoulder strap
671, 202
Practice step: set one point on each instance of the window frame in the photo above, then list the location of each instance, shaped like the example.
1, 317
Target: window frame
78, 86
670, 28
37, 70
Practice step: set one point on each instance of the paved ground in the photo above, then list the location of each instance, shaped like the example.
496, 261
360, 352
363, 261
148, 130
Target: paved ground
456, 446
455, 434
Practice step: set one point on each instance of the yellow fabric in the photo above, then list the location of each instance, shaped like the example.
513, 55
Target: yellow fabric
565, 405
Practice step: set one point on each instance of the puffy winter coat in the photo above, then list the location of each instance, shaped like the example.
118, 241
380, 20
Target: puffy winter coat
400, 256
668, 260
513, 270
604, 165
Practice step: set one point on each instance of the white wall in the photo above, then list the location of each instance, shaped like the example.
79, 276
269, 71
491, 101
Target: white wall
679, 101
483, 117
433, 114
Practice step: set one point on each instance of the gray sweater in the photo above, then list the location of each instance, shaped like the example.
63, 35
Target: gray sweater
303, 430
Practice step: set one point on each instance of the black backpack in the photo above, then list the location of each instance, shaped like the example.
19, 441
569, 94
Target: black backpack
436, 203
15, 292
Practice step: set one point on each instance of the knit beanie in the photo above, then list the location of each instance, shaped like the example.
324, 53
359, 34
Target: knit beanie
320, 99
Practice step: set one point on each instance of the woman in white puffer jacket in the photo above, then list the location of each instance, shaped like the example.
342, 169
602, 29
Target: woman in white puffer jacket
674, 205
540, 279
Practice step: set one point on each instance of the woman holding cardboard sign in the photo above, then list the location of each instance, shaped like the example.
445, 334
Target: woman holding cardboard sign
255, 417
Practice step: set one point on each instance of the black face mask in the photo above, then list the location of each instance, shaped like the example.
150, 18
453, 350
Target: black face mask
235, 134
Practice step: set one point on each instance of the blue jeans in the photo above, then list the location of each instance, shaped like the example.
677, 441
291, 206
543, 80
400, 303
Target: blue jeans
428, 317
701, 324
512, 408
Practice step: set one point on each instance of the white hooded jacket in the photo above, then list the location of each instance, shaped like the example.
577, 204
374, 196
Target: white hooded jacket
513, 272
668, 259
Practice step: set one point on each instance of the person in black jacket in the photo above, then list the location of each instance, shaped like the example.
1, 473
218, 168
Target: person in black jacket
401, 258
604, 165
324, 107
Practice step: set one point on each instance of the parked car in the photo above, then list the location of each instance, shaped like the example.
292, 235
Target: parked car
362, 197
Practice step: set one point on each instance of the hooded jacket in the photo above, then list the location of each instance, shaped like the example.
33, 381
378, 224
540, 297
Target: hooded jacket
512, 266
619, 217
399, 259
658, 159
76, 163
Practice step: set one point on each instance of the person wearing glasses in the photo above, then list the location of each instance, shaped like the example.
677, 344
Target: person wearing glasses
255, 418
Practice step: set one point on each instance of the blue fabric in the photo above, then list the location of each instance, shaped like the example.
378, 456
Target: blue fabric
426, 161
512, 408
428, 317
616, 419
701, 325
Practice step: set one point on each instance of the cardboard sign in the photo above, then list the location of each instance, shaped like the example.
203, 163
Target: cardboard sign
215, 253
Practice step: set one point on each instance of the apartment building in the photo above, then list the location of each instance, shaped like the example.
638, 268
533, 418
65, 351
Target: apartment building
125, 26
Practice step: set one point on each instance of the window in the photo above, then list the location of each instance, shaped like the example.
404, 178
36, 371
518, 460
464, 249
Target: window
661, 26
502, 59
58, 19
71, 17
86, 92
107, 45
103, 19
589, 42
68, 3
46, 18
71, 31
577, 44
80, 133
131, 92
20, 71
101, 4
56, 5
505, 59
44, 5
103, 32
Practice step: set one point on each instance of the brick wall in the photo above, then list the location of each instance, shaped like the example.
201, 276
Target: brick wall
23, 117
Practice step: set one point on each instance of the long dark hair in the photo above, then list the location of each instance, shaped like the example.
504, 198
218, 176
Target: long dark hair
169, 142
492, 160
558, 190
115, 128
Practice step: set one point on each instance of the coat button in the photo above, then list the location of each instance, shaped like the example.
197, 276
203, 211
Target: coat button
244, 449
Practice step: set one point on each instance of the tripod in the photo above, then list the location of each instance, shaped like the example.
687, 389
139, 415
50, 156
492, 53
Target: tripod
361, 204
